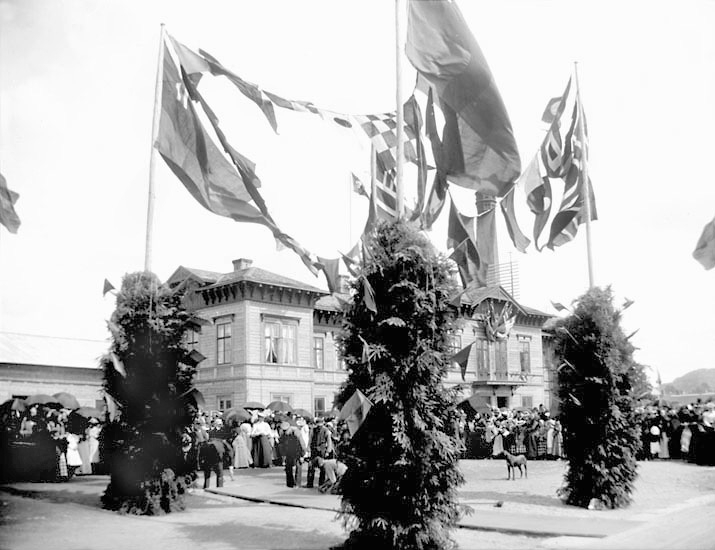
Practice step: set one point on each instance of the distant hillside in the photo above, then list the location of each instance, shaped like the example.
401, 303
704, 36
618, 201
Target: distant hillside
696, 381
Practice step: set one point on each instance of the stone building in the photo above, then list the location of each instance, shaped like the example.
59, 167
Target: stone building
32, 364
267, 337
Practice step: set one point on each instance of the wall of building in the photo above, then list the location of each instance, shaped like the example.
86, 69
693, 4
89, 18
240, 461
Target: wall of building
25, 380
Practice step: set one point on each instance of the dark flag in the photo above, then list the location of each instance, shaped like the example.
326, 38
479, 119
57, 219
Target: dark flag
107, 287
8, 198
462, 359
479, 150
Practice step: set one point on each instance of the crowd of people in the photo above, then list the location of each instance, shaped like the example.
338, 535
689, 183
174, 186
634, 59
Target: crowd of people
267, 439
684, 432
49, 442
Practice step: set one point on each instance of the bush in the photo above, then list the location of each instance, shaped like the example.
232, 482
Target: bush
143, 445
400, 489
600, 431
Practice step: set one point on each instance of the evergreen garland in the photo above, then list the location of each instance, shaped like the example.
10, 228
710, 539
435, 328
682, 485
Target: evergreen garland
143, 445
600, 431
400, 489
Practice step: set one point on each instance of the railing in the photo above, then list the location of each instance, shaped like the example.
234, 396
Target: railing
502, 376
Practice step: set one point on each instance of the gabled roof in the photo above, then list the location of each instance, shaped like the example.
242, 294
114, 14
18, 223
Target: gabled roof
34, 349
182, 273
476, 296
261, 276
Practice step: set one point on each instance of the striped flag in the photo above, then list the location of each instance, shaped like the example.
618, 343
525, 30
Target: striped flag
385, 196
552, 146
355, 411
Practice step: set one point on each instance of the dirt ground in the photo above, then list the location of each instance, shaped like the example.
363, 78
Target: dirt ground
68, 515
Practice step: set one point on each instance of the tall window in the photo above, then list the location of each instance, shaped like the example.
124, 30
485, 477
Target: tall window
279, 341
501, 359
319, 406
223, 343
318, 352
192, 339
525, 356
482, 357
286, 398
527, 401
224, 402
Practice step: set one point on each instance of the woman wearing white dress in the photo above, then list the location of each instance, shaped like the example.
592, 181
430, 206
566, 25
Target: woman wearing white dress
74, 461
93, 440
241, 450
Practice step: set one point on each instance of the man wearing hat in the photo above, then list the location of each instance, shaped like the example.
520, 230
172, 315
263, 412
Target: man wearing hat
292, 449
321, 445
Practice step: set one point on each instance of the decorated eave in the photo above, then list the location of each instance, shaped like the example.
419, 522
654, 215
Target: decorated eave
329, 309
475, 303
257, 284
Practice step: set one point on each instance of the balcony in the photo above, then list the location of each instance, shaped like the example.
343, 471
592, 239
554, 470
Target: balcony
503, 377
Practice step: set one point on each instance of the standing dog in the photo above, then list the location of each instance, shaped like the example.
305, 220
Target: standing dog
513, 462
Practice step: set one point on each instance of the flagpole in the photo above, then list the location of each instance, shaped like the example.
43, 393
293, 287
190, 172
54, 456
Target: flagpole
152, 157
398, 98
584, 175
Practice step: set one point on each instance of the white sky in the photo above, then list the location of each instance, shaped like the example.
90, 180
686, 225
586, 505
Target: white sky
76, 99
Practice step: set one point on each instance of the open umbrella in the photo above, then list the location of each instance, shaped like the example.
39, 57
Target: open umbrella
89, 412
67, 400
279, 406
254, 405
231, 416
305, 414
40, 399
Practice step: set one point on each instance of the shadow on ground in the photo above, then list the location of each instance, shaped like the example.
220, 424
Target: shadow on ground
508, 496
248, 536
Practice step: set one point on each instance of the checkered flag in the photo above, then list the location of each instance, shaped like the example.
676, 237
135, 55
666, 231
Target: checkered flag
382, 131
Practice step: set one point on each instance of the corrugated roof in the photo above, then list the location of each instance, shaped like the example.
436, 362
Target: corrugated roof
34, 349
258, 275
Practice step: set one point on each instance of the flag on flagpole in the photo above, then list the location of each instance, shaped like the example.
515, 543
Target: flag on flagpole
538, 197
107, 287
558, 306
462, 359
479, 149
8, 198
521, 241
355, 410
705, 248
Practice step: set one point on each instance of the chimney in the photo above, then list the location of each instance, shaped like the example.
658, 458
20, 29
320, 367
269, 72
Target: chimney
242, 263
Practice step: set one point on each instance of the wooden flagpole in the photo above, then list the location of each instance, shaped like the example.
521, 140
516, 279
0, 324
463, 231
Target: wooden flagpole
584, 175
398, 98
152, 158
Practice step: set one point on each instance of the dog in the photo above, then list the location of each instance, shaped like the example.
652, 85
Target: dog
513, 462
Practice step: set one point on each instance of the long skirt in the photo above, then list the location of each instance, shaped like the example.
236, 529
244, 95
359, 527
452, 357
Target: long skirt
664, 452
241, 457
262, 452
85, 455
558, 450
498, 445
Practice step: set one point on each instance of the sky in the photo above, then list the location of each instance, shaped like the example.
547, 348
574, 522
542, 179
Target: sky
77, 86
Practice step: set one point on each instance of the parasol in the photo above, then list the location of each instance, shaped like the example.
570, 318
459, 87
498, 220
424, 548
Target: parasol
254, 405
40, 399
279, 406
89, 412
67, 400
305, 414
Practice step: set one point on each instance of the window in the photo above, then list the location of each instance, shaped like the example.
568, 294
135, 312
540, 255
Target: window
223, 343
192, 339
482, 357
525, 356
279, 337
318, 352
455, 346
527, 401
339, 361
501, 358
319, 406
224, 402
502, 402
286, 398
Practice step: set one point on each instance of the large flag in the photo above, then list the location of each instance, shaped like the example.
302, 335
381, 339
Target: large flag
355, 411
565, 157
705, 248
8, 198
222, 188
521, 241
538, 197
331, 268
479, 149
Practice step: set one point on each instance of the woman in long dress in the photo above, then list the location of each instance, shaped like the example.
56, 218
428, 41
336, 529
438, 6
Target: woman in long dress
262, 450
84, 453
241, 454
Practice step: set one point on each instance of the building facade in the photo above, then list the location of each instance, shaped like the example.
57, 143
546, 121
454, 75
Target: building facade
270, 338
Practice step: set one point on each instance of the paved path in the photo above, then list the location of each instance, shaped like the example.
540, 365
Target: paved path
269, 486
